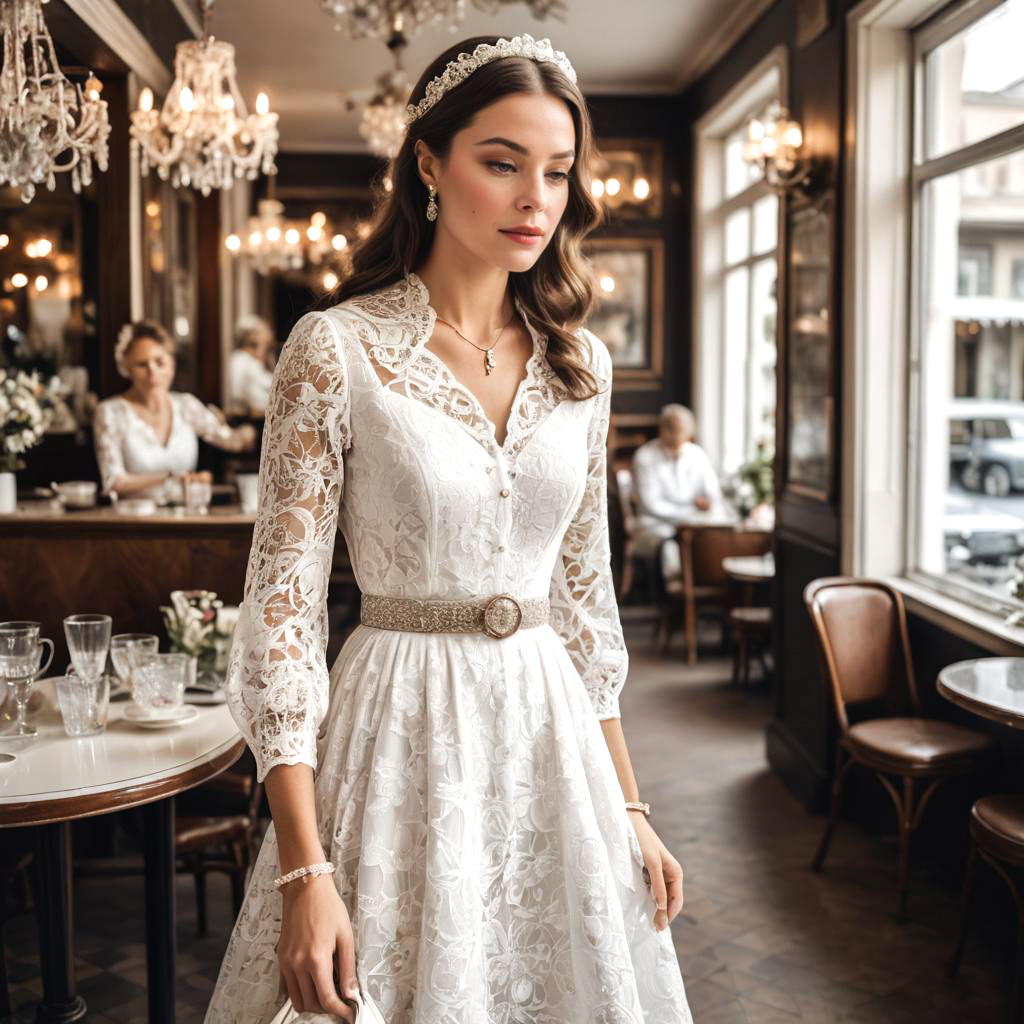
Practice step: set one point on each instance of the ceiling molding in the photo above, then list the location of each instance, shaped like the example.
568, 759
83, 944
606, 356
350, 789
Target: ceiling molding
742, 18
119, 33
189, 16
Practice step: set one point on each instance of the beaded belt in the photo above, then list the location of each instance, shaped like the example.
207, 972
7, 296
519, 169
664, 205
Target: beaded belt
498, 616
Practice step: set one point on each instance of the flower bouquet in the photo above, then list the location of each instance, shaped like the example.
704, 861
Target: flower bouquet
198, 623
755, 480
26, 408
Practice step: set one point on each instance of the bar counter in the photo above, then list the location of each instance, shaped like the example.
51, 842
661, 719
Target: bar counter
56, 562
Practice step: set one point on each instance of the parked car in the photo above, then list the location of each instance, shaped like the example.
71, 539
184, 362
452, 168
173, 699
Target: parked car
986, 445
976, 535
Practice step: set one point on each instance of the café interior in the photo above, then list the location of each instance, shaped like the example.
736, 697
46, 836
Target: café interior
811, 208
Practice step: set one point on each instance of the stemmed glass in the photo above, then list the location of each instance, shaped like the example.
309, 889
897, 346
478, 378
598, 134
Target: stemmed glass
21, 652
88, 638
126, 649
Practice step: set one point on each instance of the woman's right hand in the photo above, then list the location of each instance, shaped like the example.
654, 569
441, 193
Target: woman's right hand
315, 946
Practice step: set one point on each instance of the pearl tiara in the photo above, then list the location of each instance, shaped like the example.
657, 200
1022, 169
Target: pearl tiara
458, 70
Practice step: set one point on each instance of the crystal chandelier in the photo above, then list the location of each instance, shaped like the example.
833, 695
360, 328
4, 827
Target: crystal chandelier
382, 124
272, 244
202, 136
380, 18
47, 125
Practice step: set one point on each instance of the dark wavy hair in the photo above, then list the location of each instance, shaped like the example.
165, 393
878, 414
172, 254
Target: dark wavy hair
556, 293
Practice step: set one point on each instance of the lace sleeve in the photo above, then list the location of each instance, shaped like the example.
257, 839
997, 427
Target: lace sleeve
584, 611
206, 423
277, 679
106, 430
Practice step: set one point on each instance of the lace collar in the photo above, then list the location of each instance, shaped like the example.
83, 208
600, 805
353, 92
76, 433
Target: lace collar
402, 322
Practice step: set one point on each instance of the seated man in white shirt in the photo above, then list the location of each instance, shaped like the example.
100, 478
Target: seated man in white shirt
249, 375
674, 479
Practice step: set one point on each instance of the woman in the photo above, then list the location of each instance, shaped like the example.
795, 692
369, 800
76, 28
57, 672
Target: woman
148, 435
249, 376
451, 833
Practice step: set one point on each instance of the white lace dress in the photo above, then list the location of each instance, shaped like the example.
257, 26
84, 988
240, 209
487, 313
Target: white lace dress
464, 789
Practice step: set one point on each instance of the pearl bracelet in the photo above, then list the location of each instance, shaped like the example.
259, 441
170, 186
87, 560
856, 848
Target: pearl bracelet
638, 805
309, 871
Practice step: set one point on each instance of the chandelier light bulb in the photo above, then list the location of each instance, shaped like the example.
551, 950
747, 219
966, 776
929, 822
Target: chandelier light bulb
597, 188
755, 130
30, 249
793, 136
255, 238
41, 283
227, 102
769, 146
330, 280
388, 184
338, 242
233, 243
19, 280
146, 100
273, 234
612, 186
607, 283
5, 240
291, 236
313, 233
263, 104
318, 219
93, 87
641, 188
186, 100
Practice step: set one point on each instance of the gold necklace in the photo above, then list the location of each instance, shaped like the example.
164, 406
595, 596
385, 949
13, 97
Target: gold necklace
489, 363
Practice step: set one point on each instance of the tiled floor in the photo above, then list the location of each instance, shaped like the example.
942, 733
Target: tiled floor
761, 938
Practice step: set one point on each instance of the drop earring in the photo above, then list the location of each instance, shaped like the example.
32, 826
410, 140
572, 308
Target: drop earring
431, 203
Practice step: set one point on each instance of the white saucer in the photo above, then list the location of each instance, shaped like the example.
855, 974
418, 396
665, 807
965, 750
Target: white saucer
134, 714
205, 697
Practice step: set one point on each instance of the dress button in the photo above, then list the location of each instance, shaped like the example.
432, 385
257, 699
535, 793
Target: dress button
501, 547
504, 492
512, 472
487, 469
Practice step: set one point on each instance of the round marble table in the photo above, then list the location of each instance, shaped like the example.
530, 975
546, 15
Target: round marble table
990, 687
750, 568
55, 779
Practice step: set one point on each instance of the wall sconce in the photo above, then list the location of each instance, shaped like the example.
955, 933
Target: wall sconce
775, 146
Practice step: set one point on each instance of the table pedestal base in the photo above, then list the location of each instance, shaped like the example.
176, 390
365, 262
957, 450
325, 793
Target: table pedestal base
52, 878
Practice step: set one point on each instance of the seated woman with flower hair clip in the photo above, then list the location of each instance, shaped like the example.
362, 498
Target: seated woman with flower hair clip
149, 434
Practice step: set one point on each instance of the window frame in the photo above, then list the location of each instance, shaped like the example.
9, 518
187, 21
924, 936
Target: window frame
881, 311
766, 81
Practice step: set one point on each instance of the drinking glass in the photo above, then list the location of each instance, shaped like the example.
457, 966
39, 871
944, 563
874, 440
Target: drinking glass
83, 704
88, 638
159, 682
198, 494
21, 652
248, 490
125, 651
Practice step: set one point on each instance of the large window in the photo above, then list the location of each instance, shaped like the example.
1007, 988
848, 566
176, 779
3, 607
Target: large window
966, 477
735, 286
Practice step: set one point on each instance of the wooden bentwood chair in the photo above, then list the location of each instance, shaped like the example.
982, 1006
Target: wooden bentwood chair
997, 837
861, 627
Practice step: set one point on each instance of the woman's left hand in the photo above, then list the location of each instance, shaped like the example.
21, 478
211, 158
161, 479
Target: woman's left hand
665, 871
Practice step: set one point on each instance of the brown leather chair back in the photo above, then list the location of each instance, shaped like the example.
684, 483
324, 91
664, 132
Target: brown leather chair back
861, 627
708, 545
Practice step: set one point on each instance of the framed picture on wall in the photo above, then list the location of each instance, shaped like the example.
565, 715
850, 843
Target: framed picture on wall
809, 351
629, 309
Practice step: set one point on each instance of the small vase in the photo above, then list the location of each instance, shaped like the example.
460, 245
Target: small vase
8, 493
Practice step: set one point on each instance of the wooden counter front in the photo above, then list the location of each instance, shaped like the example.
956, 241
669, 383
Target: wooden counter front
55, 563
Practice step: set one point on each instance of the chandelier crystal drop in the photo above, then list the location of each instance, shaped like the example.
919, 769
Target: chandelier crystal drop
203, 136
379, 19
48, 126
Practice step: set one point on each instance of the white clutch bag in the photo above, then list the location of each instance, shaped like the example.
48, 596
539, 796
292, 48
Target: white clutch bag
366, 1012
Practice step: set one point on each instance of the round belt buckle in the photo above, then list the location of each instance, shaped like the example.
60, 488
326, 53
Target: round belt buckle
503, 615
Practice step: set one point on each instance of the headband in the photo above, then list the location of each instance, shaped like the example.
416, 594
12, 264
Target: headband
458, 70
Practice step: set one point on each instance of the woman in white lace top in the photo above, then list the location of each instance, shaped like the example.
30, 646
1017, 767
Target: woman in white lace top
149, 434
457, 831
